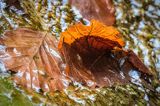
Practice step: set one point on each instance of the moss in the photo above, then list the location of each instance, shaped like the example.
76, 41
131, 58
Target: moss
9, 95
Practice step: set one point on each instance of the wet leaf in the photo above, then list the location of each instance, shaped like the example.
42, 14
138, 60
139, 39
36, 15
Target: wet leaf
95, 57
15, 3
33, 56
102, 10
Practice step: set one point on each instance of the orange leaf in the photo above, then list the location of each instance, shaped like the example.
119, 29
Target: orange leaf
111, 36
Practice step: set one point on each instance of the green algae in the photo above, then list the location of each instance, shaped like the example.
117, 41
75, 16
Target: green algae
9, 96
117, 95
139, 29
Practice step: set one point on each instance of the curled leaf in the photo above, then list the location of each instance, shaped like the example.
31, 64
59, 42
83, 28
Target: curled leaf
98, 30
95, 57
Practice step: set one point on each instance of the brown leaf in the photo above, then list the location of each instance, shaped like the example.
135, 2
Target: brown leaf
102, 10
33, 56
15, 3
95, 57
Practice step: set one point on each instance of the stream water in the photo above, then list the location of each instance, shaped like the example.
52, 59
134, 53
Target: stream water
137, 20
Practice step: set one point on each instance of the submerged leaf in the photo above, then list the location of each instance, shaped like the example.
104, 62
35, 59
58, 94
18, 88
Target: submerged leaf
102, 10
94, 55
33, 56
15, 3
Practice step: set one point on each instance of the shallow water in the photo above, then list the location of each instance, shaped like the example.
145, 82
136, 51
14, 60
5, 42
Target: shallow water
137, 21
